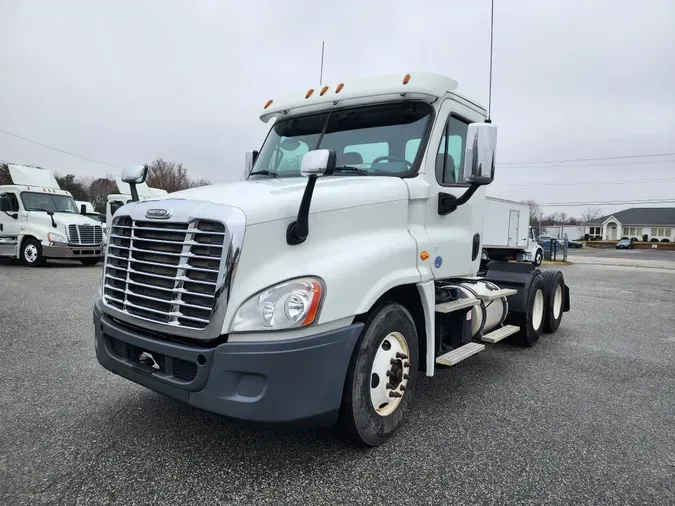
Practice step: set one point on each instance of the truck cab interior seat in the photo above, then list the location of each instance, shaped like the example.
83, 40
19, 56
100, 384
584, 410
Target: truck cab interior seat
446, 162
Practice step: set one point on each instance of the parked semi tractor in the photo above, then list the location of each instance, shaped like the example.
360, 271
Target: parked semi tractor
346, 264
39, 220
507, 232
116, 200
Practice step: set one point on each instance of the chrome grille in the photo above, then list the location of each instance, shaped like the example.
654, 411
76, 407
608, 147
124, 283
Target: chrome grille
85, 234
166, 272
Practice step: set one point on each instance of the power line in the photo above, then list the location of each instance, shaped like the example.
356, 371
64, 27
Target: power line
589, 159
59, 150
606, 203
583, 166
578, 183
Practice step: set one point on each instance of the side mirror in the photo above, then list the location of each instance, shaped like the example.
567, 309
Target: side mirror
135, 174
83, 209
479, 156
251, 157
4, 204
318, 162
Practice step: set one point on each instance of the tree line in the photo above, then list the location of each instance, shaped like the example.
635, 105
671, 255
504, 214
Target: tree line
538, 218
162, 174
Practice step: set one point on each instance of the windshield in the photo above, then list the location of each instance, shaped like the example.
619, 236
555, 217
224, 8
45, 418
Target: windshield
48, 202
381, 140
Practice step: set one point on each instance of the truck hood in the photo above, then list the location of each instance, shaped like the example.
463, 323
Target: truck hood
62, 219
265, 200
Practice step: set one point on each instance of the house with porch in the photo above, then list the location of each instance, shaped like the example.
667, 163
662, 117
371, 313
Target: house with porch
643, 223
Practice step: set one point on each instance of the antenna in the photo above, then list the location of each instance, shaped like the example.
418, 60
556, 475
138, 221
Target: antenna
492, 27
321, 74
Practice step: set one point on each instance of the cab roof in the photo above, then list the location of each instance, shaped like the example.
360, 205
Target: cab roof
417, 85
36, 189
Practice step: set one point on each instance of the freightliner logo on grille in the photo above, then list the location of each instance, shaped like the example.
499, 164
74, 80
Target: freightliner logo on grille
158, 214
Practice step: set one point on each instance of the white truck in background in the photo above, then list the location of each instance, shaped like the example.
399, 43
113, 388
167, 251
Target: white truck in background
39, 220
117, 200
507, 234
345, 264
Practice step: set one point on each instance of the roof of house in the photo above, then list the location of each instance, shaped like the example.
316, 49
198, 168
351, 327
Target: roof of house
641, 216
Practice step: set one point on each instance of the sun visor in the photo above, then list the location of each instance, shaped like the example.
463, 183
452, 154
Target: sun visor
32, 176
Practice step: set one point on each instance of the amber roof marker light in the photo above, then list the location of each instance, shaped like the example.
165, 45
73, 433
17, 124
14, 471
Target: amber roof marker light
268, 103
406, 78
323, 90
339, 87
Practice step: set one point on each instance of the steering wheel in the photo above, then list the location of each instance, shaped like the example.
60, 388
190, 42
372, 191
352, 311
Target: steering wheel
392, 158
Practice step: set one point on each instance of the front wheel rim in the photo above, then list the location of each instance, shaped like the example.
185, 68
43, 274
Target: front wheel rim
389, 374
30, 253
538, 309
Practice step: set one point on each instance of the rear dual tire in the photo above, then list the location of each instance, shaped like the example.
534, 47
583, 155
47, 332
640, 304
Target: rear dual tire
531, 322
554, 288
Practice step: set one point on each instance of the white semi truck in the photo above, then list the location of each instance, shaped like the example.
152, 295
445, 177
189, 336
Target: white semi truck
116, 200
507, 232
346, 264
39, 220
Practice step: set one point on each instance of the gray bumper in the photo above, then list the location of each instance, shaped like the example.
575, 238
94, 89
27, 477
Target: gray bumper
73, 251
282, 381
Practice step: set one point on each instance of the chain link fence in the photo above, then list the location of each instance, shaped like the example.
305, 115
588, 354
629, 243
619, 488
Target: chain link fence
555, 249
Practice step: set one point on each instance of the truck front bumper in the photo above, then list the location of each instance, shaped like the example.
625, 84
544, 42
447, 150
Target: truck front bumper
295, 380
72, 251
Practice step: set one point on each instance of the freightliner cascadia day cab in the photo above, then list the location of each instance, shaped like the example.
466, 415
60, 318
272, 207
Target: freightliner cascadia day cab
39, 220
346, 264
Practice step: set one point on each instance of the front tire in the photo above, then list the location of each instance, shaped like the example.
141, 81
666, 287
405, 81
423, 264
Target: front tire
31, 253
381, 376
554, 289
538, 257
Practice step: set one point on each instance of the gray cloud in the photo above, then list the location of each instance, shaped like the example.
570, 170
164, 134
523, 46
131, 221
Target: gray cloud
129, 81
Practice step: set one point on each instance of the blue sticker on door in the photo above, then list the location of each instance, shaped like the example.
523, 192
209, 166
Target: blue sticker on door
438, 261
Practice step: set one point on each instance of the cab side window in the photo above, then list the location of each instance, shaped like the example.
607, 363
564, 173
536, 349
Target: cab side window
450, 155
13, 201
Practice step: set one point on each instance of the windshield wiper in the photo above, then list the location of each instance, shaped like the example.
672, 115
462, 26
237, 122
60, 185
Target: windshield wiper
347, 168
263, 173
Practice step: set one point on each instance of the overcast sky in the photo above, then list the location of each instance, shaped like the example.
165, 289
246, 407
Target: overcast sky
125, 82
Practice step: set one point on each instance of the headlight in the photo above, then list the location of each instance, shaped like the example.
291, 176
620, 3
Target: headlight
53, 237
287, 305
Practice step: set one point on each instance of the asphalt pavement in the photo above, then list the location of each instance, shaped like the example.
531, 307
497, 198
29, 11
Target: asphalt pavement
585, 417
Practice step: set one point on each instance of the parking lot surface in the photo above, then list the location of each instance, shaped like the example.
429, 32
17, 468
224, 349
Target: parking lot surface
585, 417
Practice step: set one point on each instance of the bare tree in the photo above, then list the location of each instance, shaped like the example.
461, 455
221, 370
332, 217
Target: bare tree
99, 189
171, 176
535, 212
72, 185
590, 214
5, 178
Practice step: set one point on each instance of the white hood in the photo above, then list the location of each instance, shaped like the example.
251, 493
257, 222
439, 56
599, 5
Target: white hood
62, 219
275, 199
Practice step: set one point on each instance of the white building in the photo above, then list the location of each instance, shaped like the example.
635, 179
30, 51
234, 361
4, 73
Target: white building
654, 222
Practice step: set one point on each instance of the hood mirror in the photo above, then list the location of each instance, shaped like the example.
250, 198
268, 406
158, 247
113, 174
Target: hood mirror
135, 174
249, 162
318, 162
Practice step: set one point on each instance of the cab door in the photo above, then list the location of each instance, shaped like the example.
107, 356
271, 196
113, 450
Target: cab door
455, 235
12, 222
